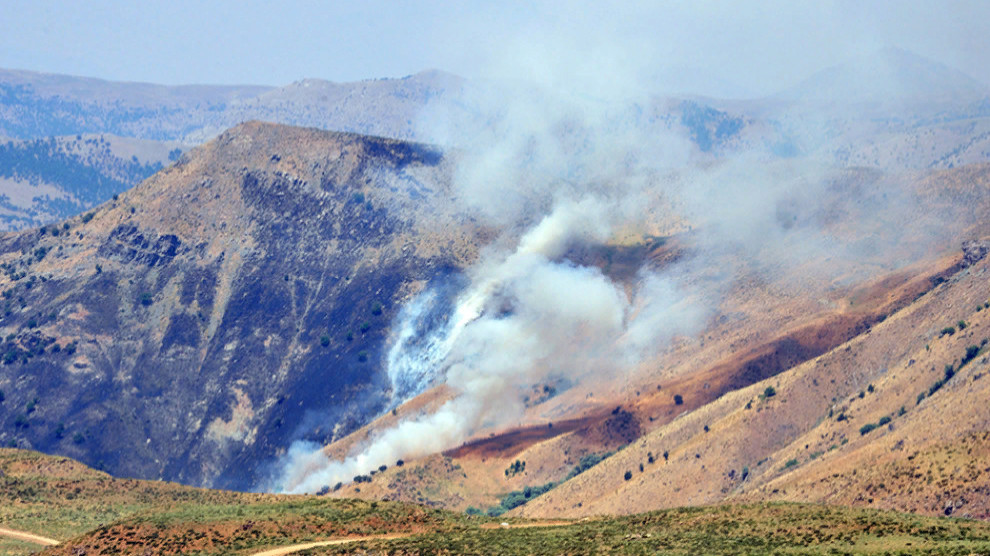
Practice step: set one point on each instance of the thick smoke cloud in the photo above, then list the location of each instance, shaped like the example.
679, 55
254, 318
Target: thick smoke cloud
566, 160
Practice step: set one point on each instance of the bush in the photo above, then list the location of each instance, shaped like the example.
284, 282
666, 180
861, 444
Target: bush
883, 421
324, 340
961, 324
867, 428
365, 327
628, 475
362, 356
790, 463
472, 511
971, 353
769, 392
146, 299
947, 330
678, 400
376, 308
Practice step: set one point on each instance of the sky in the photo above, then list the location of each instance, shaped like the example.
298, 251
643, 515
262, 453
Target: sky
734, 48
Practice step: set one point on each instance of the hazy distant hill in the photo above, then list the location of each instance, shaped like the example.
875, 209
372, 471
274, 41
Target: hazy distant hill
34, 105
44, 180
890, 76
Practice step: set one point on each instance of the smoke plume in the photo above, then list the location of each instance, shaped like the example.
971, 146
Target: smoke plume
577, 156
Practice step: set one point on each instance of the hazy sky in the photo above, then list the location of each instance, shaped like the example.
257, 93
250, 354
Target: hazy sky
726, 48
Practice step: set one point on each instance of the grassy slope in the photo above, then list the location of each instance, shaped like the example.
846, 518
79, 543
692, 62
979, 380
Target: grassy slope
61, 498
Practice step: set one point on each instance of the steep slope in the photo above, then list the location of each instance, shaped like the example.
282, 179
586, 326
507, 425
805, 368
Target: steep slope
686, 413
230, 304
844, 427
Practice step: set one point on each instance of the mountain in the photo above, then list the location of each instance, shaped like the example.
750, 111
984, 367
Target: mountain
34, 105
843, 391
51, 169
889, 75
234, 302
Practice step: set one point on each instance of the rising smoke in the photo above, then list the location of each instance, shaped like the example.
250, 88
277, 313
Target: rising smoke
563, 160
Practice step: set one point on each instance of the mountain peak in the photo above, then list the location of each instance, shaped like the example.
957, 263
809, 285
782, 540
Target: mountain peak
890, 74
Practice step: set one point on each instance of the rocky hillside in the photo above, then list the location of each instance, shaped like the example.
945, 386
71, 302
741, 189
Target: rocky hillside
240, 299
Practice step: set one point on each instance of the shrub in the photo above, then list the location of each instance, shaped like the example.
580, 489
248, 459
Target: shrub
948, 330
769, 392
628, 475
89, 215
324, 340
883, 421
362, 356
376, 308
790, 463
365, 327
678, 400
971, 353
146, 299
472, 511
961, 324
867, 428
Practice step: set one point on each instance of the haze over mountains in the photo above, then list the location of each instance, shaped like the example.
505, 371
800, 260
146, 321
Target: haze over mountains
630, 302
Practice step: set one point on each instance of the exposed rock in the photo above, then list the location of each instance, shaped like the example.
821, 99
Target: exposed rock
974, 250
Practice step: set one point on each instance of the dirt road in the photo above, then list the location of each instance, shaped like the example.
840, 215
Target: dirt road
29, 537
297, 547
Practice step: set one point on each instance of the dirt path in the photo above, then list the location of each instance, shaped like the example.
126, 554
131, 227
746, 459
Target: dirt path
29, 537
298, 547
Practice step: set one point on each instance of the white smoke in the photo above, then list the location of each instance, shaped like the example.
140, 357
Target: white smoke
576, 157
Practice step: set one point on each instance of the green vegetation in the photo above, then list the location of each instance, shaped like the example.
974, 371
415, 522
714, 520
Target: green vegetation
515, 468
789, 464
948, 330
769, 392
324, 340
519, 497
678, 400
867, 428
780, 528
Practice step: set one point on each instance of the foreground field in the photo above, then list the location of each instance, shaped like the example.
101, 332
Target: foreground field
93, 513
748, 529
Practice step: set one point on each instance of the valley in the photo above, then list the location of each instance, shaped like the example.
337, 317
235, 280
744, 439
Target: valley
442, 315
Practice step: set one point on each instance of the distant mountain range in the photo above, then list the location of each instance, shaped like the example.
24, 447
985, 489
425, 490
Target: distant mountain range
893, 109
